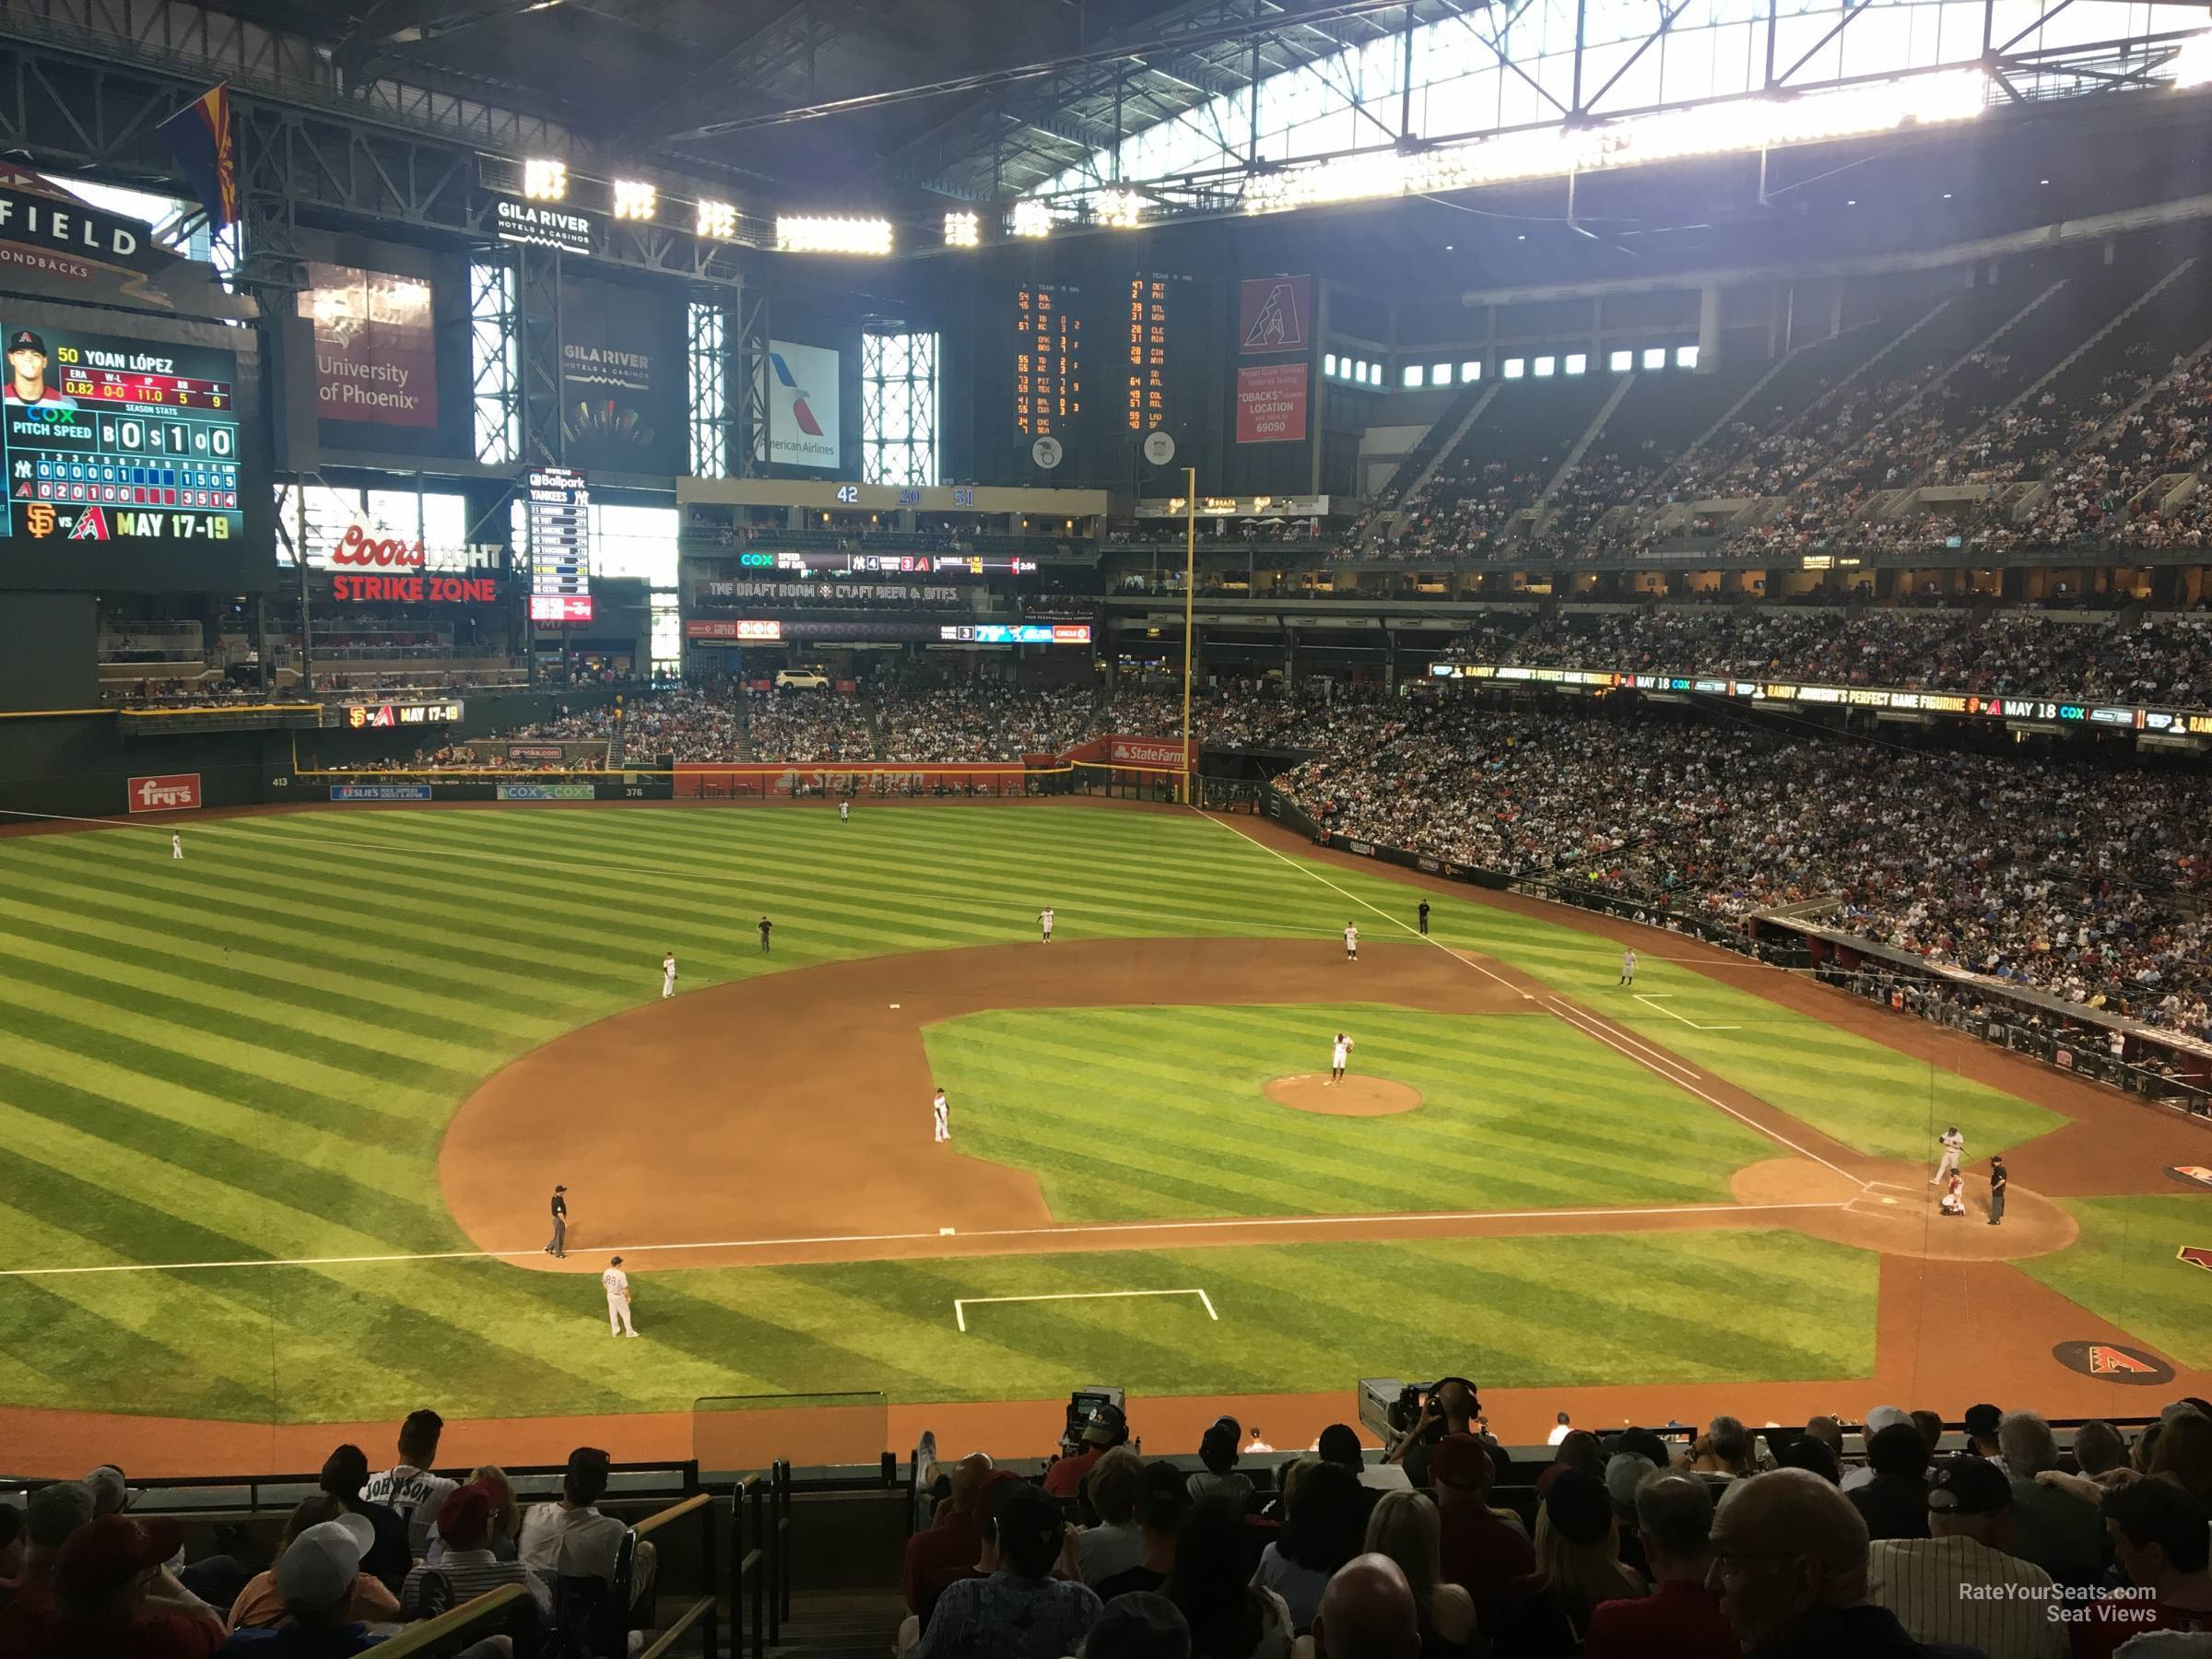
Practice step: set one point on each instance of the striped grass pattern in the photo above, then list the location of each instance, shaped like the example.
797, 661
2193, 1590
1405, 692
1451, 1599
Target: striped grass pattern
1132, 1113
251, 1054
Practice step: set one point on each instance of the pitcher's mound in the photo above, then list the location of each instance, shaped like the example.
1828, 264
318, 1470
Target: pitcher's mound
1354, 1097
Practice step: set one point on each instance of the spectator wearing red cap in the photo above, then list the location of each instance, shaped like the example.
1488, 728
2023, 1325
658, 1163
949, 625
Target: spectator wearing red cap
956, 1538
469, 1568
112, 1598
260, 1607
1484, 1551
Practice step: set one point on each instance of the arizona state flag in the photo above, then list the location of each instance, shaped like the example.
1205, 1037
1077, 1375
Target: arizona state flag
199, 137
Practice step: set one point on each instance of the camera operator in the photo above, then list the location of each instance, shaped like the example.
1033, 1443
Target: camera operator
1107, 1429
1452, 1407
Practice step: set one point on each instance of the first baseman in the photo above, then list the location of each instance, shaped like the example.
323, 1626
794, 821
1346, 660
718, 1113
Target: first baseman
1044, 924
938, 1111
668, 974
1351, 942
1954, 1144
1339, 1052
1628, 967
617, 1298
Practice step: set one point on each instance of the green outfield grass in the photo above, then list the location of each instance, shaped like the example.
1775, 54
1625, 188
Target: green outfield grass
341, 1343
251, 1054
2125, 1267
1129, 1113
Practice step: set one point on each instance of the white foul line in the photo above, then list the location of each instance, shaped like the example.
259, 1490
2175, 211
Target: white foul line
960, 1305
1432, 1218
1653, 1002
1364, 904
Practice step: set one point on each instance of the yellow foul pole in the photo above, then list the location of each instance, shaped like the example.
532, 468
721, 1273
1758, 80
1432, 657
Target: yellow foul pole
1190, 584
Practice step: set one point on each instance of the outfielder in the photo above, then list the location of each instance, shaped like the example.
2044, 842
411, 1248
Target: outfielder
1628, 967
1954, 1144
1351, 942
1044, 924
1339, 1052
668, 974
618, 1299
765, 925
844, 812
939, 1112
176, 844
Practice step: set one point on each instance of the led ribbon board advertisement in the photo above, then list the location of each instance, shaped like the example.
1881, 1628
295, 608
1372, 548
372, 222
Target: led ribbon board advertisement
802, 406
122, 459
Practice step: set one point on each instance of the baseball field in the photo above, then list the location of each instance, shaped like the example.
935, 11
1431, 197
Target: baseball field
279, 1124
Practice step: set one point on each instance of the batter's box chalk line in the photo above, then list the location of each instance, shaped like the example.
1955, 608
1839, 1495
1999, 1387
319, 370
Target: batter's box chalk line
960, 1305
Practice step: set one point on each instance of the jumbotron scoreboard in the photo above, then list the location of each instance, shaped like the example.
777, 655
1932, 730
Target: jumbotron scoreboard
111, 440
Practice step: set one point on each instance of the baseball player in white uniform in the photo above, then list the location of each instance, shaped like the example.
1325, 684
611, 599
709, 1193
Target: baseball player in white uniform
176, 844
939, 1113
1339, 1052
1628, 967
844, 812
668, 974
1954, 1145
618, 1299
1351, 942
1044, 924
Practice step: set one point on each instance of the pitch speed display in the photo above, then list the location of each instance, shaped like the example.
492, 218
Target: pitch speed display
109, 441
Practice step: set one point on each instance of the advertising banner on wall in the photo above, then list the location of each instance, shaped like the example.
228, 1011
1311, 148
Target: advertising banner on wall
376, 354
802, 406
621, 378
1271, 404
1274, 314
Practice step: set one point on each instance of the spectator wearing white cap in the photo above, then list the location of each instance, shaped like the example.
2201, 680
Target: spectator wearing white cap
1878, 1419
260, 1605
315, 1578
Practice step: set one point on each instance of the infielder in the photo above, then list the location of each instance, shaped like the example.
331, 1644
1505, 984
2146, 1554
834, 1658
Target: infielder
1628, 967
1954, 1145
1044, 925
1351, 942
668, 974
939, 1112
618, 1299
176, 844
844, 812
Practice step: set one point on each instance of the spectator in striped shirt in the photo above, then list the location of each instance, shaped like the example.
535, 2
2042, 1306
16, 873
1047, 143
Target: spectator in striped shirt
1961, 1585
468, 1566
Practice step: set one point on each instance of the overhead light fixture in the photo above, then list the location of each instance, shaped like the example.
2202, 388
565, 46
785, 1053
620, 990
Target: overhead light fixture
1552, 151
1031, 219
821, 235
962, 231
1121, 209
717, 220
635, 199
545, 180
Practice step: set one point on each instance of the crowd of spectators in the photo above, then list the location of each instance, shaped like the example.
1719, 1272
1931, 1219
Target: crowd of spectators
1869, 1540
810, 727
365, 1556
2087, 881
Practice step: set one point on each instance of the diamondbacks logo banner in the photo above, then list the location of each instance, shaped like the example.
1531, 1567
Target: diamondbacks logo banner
1274, 314
2113, 1362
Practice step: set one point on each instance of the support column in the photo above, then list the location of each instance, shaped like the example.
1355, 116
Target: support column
1709, 328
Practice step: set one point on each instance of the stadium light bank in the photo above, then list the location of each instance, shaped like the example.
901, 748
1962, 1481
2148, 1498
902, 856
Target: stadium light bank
1632, 141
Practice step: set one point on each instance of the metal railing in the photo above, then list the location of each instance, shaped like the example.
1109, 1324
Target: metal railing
451, 1632
751, 1566
704, 1610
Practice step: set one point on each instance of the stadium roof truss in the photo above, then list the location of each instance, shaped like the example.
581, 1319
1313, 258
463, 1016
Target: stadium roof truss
1251, 105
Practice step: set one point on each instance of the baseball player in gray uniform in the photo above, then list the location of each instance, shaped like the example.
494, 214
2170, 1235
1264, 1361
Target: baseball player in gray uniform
1954, 1147
617, 1298
668, 974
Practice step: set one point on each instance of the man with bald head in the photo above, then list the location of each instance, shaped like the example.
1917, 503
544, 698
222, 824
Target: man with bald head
1367, 1613
1789, 1563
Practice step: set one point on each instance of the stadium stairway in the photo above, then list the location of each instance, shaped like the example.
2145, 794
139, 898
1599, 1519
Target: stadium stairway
839, 1624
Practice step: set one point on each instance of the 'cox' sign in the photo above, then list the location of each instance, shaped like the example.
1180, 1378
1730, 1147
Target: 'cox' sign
357, 546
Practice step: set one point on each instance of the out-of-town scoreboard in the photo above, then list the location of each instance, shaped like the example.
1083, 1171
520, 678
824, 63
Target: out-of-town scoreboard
1047, 360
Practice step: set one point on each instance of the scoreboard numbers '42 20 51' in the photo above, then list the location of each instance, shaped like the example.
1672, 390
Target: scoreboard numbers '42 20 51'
107, 440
